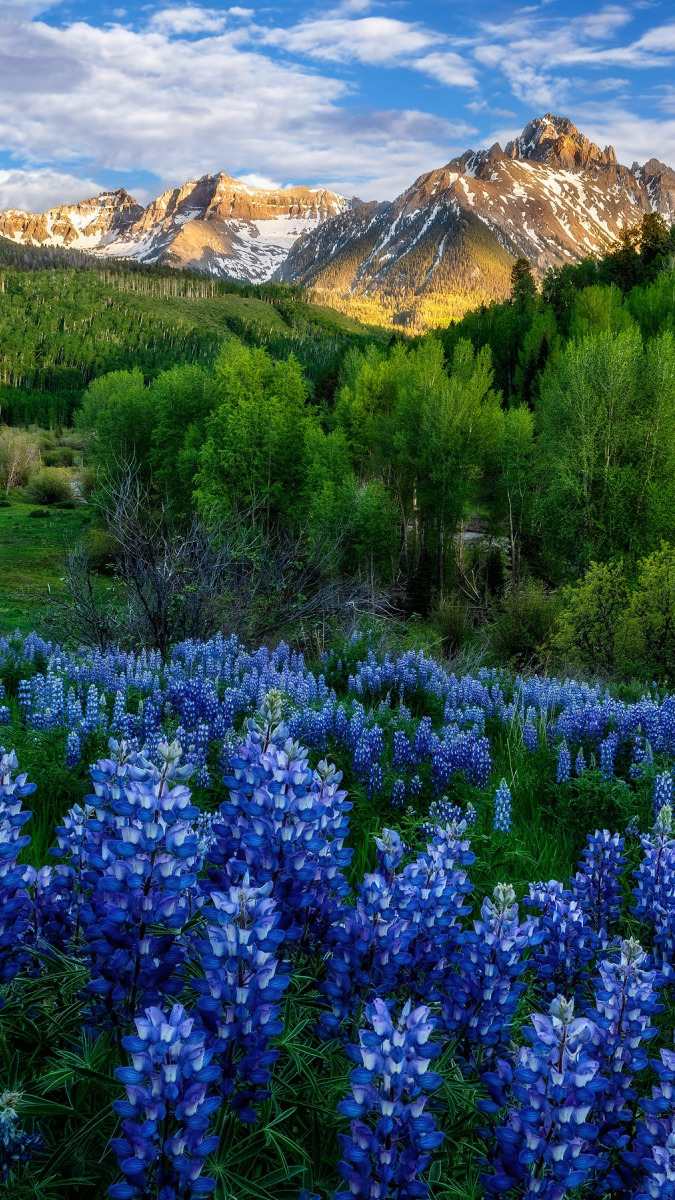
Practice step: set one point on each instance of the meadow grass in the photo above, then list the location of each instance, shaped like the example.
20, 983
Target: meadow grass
30, 552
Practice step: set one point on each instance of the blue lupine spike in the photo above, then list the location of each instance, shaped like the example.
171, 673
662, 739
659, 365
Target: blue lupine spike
388, 1149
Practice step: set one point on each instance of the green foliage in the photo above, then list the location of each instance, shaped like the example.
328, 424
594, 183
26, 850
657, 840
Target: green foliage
50, 486
589, 626
606, 450
593, 802
648, 624
611, 623
254, 456
522, 625
30, 553
118, 416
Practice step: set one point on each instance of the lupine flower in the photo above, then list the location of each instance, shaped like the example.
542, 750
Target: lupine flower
391, 1138
142, 861
285, 824
663, 792
546, 1143
240, 992
579, 764
73, 749
415, 787
564, 764
654, 889
650, 1161
16, 1146
608, 750
502, 815
398, 793
567, 941
15, 906
390, 851
369, 953
429, 894
625, 997
597, 884
484, 991
166, 1115
530, 737
441, 813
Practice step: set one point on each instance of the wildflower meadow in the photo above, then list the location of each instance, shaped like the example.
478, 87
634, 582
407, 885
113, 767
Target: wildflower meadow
361, 929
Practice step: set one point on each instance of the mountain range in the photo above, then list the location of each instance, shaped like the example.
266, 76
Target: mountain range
444, 245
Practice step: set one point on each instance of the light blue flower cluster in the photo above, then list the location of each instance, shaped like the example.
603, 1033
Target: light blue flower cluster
626, 1001
503, 818
547, 1142
138, 858
168, 1109
391, 1135
284, 824
567, 943
484, 991
16, 1145
597, 885
238, 951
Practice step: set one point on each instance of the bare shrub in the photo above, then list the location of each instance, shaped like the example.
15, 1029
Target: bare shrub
194, 579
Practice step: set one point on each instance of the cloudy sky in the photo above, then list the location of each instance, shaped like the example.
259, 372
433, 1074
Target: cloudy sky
359, 95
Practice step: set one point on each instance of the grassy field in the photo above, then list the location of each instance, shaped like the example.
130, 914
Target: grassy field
30, 551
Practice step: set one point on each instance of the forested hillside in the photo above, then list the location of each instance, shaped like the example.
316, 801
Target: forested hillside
64, 320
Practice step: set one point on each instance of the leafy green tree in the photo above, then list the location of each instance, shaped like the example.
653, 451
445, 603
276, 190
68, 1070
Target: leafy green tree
537, 344
606, 448
118, 417
523, 287
182, 399
459, 425
254, 459
648, 624
589, 629
599, 310
515, 455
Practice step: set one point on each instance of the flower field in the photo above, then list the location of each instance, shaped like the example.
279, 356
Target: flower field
364, 929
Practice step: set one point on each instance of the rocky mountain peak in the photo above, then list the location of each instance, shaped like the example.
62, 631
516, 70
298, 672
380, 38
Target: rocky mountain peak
557, 142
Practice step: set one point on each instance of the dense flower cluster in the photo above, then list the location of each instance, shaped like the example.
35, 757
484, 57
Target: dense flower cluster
547, 1142
597, 885
484, 992
503, 803
243, 982
167, 1112
391, 1135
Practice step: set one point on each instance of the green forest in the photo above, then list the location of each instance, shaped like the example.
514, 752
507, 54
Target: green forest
508, 480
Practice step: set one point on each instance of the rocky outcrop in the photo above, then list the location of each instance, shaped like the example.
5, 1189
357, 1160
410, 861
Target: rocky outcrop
83, 226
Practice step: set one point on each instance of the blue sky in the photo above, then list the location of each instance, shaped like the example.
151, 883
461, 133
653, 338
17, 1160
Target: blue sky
359, 95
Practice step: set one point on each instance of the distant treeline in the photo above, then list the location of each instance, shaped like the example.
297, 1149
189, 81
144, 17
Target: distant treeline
22, 257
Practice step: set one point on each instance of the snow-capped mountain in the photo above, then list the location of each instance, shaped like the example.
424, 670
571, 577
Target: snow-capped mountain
214, 224
448, 242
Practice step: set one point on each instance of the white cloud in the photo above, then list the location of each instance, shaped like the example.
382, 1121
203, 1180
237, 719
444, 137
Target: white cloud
35, 191
448, 68
188, 19
377, 41
178, 107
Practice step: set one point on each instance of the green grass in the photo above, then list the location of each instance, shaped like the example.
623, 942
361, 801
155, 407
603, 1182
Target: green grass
30, 550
